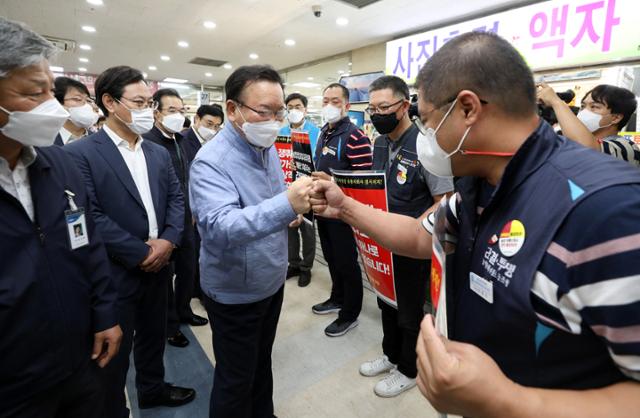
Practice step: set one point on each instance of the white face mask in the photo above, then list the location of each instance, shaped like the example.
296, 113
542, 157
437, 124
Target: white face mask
83, 116
433, 158
295, 116
206, 133
173, 122
37, 127
141, 119
591, 120
261, 134
331, 114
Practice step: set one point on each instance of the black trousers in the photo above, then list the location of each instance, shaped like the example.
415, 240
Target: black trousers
243, 338
308, 233
145, 315
339, 249
79, 396
400, 327
180, 290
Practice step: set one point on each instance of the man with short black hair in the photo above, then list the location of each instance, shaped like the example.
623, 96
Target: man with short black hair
540, 248
606, 110
297, 111
138, 208
169, 117
206, 125
341, 146
74, 96
57, 300
411, 191
242, 208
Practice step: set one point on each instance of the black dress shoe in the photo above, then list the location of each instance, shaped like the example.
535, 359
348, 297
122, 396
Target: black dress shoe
170, 396
304, 279
292, 272
196, 320
178, 340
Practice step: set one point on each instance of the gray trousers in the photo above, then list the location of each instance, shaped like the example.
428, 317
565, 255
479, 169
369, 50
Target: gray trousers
308, 233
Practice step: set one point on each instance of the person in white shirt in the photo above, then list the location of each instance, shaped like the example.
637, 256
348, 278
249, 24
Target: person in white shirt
75, 98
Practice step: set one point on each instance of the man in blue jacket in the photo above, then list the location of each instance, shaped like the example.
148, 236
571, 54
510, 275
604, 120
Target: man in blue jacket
139, 210
242, 209
57, 302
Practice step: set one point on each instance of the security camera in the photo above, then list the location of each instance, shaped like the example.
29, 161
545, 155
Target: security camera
317, 10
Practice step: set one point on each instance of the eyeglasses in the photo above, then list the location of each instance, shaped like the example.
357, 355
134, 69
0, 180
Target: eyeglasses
78, 100
371, 110
141, 104
417, 122
279, 114
174, 110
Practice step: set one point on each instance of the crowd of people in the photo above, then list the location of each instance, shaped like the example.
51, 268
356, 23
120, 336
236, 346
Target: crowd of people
114, 216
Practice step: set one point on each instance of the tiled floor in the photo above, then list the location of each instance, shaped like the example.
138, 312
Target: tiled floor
314, 375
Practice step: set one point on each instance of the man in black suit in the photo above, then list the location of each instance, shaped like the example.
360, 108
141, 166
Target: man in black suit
138, 208
169, 118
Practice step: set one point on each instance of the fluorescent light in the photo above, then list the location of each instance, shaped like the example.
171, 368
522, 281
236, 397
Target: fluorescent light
175, 80
253, 56
289, 42
208, 74
82, 69
85, 47
183, 44
350, 64
340, 72
165, 57
88, 29
310, 78
95, 2
145, 75
306, 85
55, 69
209, 24
342, 21
83, 59
227, 66
152, 68
174, 85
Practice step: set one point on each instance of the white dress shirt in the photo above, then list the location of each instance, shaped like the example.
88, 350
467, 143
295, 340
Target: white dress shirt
16, 181
137, 165
68, 137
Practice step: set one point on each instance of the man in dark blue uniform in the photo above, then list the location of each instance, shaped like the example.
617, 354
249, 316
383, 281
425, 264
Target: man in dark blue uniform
169, 118
411, 191
57, 302
341, 146
542, 275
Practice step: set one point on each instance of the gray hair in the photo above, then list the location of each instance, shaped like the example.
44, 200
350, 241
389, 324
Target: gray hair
21, 47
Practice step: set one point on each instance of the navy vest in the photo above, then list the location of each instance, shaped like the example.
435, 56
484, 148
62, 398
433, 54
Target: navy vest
332, 144
407, 190
545, 180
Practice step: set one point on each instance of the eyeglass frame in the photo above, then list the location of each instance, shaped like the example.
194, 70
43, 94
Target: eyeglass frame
382, 109
267, 114
417, 122
150, 104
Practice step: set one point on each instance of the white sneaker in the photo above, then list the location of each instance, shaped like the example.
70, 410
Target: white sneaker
393, 385
377, 366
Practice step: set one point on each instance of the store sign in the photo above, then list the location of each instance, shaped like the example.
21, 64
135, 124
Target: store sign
552, 34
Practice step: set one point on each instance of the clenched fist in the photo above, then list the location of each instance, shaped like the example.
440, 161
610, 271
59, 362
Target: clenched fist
298, 194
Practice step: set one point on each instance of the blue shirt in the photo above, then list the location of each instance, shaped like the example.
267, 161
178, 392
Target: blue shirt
308, 126
239, 201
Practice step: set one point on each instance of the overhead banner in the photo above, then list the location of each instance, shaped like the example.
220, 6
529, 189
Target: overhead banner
285, 151
550, 34
369, 188
302, 161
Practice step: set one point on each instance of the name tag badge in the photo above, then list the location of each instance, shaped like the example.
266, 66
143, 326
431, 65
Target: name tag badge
482, 287
77, 228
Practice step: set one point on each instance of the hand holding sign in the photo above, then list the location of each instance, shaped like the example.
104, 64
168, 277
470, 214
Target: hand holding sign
460, 378
298, 194
327, 199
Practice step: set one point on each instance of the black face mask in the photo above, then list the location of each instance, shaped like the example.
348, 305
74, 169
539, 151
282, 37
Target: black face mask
385, 123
